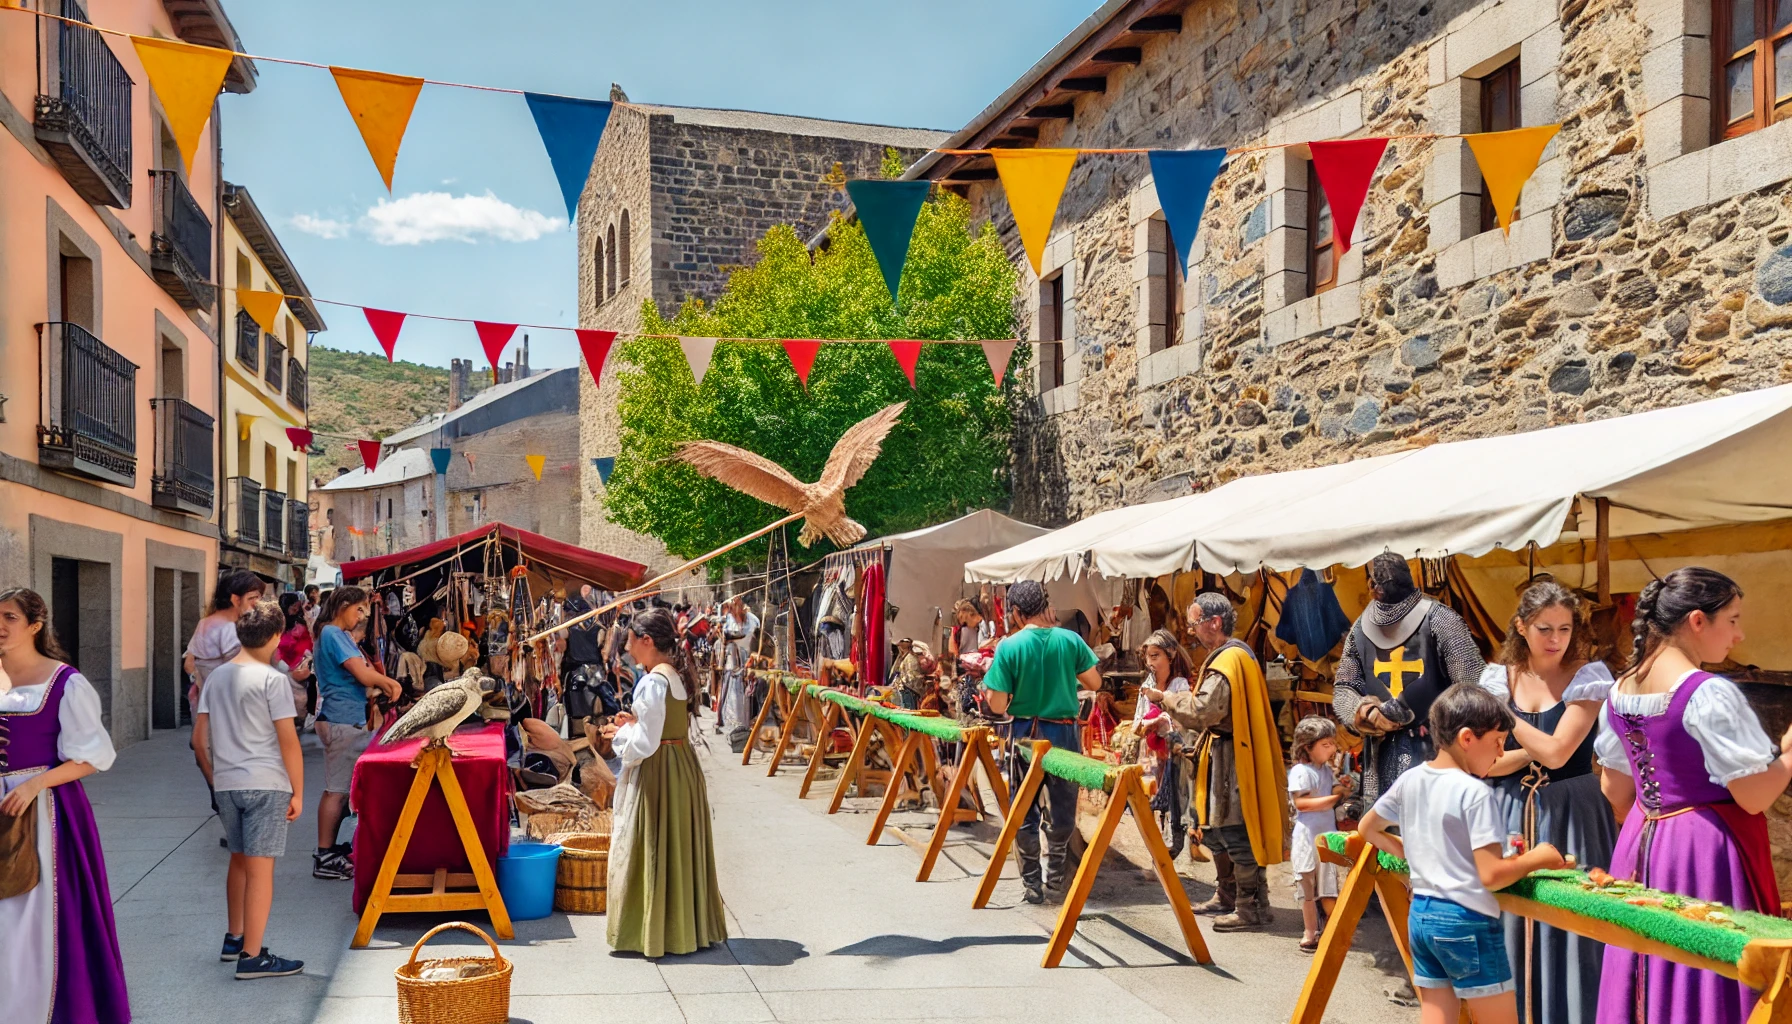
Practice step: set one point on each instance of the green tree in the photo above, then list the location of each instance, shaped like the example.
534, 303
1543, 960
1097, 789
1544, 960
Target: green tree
946, 457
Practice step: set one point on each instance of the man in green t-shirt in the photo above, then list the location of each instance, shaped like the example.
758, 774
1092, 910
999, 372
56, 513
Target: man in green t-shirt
1035, 677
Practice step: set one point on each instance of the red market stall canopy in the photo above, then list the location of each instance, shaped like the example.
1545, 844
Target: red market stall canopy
545, 556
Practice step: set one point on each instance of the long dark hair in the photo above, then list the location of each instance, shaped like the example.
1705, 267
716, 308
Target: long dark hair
1667, 602
36, 611
292, 605
235, 583
335, 601
1544, 594
658, 625
1180, 665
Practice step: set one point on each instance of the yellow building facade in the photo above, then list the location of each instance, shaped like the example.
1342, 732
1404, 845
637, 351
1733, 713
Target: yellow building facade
265, 494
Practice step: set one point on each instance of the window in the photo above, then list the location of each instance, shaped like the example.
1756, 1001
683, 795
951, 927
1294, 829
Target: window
1322, 248
172, 370
74, 283
270, 468
1752, 40
292, 478
625, 254
1172, 293
1051, 330
388, 508
1499, 113
597, 273
245, 277
610, 263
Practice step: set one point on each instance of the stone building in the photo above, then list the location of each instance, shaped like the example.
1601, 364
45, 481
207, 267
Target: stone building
676, 200
1649, 265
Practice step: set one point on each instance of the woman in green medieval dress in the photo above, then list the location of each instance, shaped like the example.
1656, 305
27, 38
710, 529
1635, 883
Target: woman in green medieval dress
664, 896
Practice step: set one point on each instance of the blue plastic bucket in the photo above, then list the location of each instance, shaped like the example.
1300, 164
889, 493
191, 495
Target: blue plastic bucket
526, 879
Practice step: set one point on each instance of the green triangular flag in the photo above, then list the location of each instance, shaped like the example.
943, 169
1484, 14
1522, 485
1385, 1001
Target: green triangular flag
888, 211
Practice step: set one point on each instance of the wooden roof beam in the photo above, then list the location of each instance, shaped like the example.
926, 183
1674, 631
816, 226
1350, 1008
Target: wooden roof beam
1091, 84
1053, 112
1120, 55
1157, 24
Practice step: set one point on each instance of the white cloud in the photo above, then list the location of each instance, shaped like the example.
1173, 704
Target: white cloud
322, 227
440, 217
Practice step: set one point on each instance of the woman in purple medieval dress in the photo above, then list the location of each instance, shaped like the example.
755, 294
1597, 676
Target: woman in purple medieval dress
59, 960
1691, 770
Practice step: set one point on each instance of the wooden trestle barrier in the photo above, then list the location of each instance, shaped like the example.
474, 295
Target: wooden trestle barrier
776, 694
1125, 789
1765, 965
434, 765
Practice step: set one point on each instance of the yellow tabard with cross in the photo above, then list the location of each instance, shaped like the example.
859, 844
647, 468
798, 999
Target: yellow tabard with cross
1396, 668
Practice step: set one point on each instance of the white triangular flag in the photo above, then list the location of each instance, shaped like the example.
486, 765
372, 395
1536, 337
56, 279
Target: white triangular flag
697, 352
998, 354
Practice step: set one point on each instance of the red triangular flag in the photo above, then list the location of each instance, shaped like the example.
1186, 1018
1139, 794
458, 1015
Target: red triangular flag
595, 346
493, 337
1344, 169
370, 454
802, 354
385, 325
998, 354
906, 352
299, 436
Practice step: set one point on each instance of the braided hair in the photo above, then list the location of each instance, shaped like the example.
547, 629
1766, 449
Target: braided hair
1667, 602
658, 625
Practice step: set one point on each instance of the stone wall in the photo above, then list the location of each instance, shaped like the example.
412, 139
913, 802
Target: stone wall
1626, 284
506, 488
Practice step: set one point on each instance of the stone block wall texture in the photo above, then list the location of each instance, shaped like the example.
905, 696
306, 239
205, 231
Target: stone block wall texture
1624, 313
699, 196
507, 489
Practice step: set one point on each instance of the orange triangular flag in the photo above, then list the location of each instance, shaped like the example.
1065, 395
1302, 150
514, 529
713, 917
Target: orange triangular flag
186, 78
1508, 159
998, 353
535, 463
381, 106
1034, 180
262, 306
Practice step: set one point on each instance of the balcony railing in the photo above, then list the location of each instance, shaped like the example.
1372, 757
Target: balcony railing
87, 422
273, 522
248, 340
182, 480
296, 383
298, 530
242, 497
180, 250
84, 109
276, 364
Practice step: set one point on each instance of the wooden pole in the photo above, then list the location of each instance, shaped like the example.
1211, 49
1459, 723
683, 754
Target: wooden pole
860, 744
1017, 811
1602, 547
792, 715
898, 767
1085, 872
974, 740
1166, 873
823, 737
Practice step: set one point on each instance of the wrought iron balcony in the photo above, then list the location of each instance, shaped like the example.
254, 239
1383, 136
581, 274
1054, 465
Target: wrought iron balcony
87, 419
276, 364
273, 522
242, 513
248, 340
83, 113
298, 530
180, 249
297, 385
183, 479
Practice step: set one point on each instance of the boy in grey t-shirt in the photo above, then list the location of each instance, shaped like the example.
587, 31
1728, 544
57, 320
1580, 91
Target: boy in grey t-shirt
249, 750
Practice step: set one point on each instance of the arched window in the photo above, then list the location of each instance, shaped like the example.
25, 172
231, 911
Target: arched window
626, 253
597, 273
610, 262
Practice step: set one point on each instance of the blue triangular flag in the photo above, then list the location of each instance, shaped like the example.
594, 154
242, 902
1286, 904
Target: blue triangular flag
441, 457
605, 466
1183, 178
570, 128
888, 210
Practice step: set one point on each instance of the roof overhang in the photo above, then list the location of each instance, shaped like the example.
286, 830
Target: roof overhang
260, 235
203, 23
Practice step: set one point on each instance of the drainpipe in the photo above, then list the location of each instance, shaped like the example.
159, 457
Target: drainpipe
222, 428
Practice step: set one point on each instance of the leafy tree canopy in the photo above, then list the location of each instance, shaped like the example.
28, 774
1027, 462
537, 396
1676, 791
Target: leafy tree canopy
946, 457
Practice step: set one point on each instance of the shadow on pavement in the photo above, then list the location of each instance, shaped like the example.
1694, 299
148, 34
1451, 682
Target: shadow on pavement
893, 947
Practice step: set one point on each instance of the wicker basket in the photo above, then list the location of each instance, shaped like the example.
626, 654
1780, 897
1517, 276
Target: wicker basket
580, 887
480, 1000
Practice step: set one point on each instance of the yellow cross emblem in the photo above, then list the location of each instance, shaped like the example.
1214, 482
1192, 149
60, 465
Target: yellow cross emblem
1396, 669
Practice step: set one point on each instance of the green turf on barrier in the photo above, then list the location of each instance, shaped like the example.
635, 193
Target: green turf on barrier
1084, 771
1563, 889
927, 725
1334, 841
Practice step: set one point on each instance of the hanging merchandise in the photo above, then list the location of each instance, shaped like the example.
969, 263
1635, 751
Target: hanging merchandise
1312, 619
873, 651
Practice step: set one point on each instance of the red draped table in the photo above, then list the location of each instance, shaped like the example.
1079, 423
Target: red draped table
383, 782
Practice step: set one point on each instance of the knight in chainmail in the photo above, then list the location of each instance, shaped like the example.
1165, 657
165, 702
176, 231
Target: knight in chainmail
1403, 651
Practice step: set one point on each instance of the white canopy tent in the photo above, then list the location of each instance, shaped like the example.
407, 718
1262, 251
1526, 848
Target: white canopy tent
1062, 553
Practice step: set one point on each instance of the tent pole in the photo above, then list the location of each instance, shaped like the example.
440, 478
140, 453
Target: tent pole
1602, 547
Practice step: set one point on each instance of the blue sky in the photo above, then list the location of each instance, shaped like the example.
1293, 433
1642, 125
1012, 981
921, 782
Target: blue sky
439, 245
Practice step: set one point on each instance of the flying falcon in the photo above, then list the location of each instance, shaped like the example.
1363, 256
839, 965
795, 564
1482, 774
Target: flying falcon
437, 712
823, 503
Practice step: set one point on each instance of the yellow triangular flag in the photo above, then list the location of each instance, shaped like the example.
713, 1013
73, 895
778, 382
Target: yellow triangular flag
262, 306
381, 106
535, 463
186, 78
1034, 180
244, 424
1508, 159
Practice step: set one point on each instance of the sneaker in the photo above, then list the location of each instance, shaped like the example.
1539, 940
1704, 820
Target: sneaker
267, 965
233, 948
331, 865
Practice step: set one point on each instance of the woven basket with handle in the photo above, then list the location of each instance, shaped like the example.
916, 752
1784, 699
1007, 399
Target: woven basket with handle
580, 886
482, 999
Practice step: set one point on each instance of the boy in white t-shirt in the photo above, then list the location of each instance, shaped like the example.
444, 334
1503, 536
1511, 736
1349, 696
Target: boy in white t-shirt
1451, 837
249, 750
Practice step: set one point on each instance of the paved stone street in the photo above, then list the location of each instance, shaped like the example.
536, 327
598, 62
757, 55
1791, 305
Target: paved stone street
826, 928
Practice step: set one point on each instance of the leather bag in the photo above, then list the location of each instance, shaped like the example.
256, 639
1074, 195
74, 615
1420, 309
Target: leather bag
18, 852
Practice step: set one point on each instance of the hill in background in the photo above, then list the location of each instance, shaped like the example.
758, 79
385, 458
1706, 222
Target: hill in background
356, 395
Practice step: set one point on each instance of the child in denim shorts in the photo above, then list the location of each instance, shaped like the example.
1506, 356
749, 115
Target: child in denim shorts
1451, 837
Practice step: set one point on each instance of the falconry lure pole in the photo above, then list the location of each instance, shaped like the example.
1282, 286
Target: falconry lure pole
822, 504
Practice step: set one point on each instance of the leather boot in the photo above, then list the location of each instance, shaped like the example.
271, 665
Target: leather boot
1225, 887
1244, 916
1265, 913
1060, 869
1026, 843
